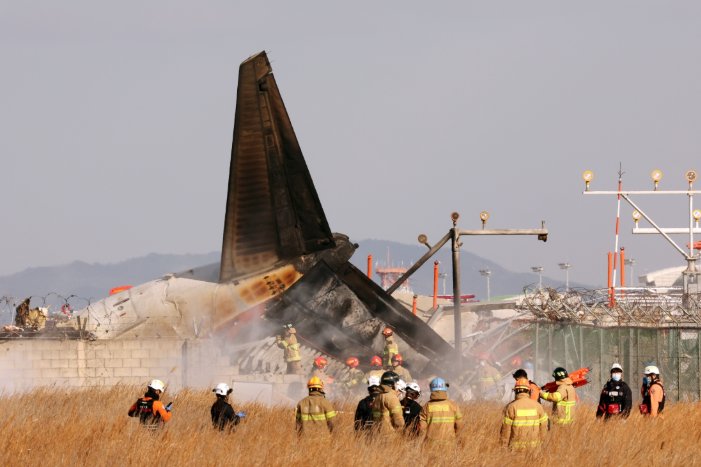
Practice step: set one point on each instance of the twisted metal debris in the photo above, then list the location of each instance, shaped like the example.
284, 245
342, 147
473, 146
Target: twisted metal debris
632, 307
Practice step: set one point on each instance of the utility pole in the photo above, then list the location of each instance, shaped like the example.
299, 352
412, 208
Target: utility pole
631, 262
539, 271
486, 273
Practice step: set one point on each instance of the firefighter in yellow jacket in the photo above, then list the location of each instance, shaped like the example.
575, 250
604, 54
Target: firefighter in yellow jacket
440, 418
391, 348
291, 350
525, 423
314, 413
564, 398
387, 411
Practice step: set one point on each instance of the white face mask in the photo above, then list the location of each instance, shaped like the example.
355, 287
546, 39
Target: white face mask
616, 376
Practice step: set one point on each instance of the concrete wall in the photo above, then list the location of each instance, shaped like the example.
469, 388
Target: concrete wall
28, 363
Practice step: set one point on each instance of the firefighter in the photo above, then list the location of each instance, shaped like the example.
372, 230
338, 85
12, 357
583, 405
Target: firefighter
291, 350
534, 389
616, 397
391, 348
319, 370
411, 409
440, 418
223, 415
397, 361
314, 414
354, 377
525, 424
564, 398
653, 393
150, 410
386, 408
488, 379
363, 413
376, 365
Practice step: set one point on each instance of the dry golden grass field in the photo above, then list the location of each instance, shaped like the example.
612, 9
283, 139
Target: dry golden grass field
90, 427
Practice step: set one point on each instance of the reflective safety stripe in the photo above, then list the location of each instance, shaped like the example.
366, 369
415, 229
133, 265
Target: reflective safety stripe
438, 407
397, 409
307, 417
330, 414
441, 420
540, 421
526, 412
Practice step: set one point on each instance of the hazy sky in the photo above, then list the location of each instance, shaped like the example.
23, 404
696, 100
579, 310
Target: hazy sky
117, 118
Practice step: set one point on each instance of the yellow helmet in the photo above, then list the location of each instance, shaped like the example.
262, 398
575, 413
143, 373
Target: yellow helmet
315, 383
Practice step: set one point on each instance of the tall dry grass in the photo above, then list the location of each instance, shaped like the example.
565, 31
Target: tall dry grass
90, 427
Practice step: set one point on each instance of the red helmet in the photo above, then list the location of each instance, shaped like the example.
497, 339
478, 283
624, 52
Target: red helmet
320, 362
397, 358
387, 332
352, 362
375, 361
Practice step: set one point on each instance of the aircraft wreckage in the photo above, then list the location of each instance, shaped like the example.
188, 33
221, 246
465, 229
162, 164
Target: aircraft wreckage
280, 263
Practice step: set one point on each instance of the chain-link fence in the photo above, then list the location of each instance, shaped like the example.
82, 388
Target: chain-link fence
676, 351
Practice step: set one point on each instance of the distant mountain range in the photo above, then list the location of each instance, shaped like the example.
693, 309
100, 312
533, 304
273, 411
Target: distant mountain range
93, 281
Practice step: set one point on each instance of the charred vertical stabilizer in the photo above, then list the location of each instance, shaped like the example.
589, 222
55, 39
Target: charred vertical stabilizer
273, 212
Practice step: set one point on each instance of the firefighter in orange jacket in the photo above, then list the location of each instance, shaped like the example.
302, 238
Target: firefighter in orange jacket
387, 411
525, 423
150, 410
440, 418
653, 393
564, 398
534, 389
314, 414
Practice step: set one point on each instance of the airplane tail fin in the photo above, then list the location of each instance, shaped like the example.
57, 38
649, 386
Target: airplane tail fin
273, 212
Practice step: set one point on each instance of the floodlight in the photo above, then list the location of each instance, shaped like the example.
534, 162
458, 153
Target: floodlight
484, 216
656, 176
423, 239
696, 214
691, 176
587, 176
636, 217
454, 216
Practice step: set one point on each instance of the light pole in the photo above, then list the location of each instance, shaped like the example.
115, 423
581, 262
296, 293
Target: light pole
539, 270
631, 262
486, 273
443, 275
566, 267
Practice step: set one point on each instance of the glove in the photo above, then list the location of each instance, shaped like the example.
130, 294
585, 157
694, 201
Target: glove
241, 414
169, 407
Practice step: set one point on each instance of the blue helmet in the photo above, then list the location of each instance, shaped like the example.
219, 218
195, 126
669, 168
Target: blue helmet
438, 384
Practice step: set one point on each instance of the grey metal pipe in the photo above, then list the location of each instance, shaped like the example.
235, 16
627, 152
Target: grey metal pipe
432, 251
455, 237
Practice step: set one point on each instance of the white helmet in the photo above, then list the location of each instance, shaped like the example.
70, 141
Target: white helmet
414, 386
401, 385
222, 389
652, 370
617, 366
157, 385
373, 381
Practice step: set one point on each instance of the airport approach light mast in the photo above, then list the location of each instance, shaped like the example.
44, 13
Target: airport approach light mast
453, 236
691, 274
